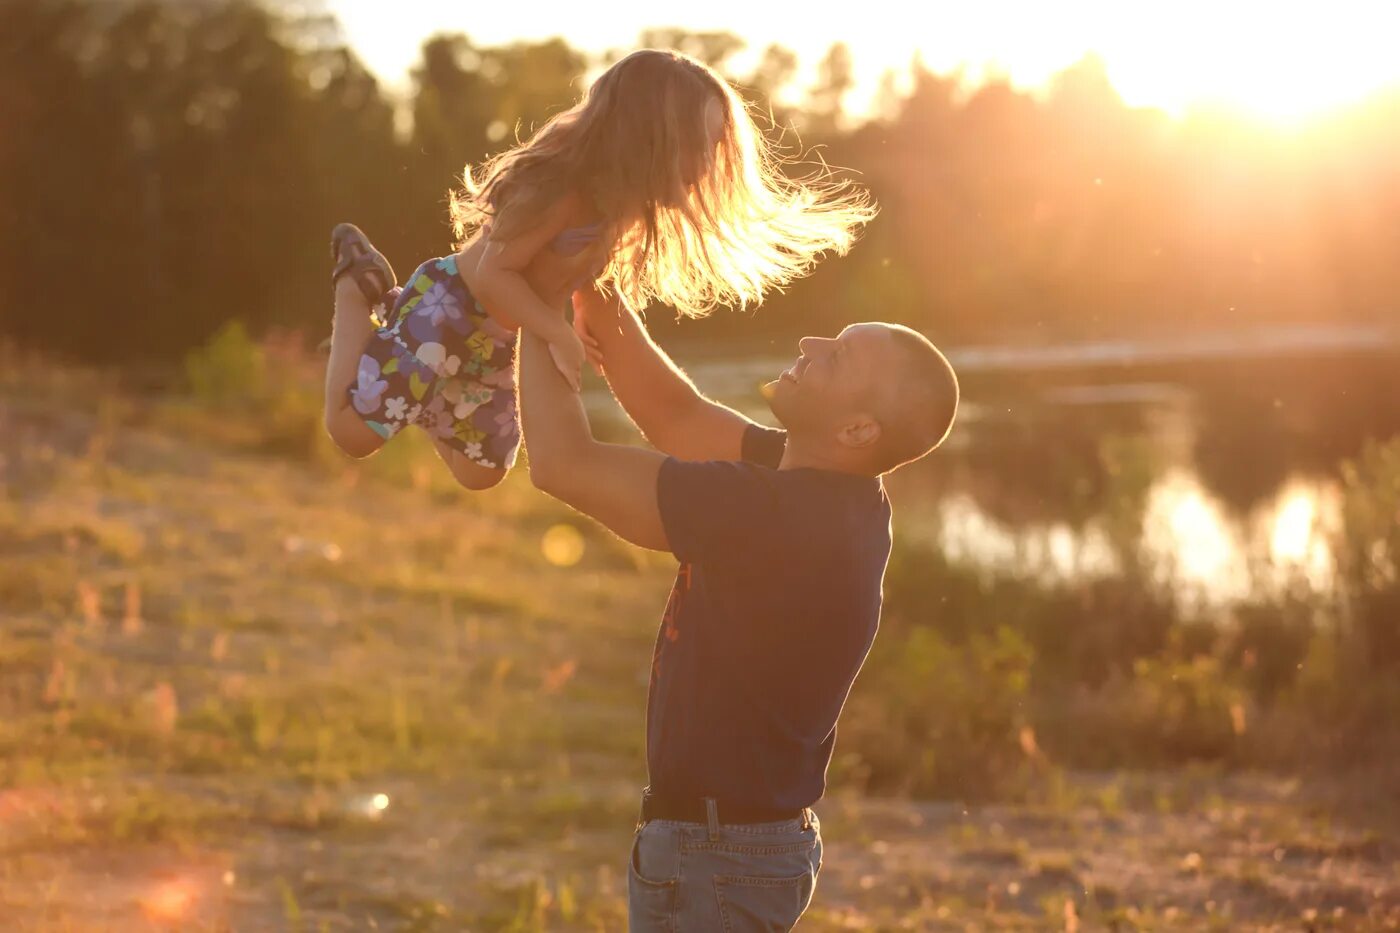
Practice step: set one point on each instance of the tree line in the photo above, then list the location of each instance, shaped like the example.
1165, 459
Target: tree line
166, 167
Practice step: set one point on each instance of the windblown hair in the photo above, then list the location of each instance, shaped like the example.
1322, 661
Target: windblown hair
688, 227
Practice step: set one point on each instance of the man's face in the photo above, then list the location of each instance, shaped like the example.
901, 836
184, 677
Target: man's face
834, 380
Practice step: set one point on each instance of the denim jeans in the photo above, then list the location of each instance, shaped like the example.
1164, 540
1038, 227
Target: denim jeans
688, 877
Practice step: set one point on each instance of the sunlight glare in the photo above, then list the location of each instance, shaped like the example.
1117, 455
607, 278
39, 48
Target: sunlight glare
1296, 532
1187, 530
1293, 527
1268, 61
1275, 65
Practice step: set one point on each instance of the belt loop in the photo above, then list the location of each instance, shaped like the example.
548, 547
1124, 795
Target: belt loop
806, 818
712, 818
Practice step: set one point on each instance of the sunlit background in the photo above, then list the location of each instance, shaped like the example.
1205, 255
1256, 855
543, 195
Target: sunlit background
1278, 62
1140, 648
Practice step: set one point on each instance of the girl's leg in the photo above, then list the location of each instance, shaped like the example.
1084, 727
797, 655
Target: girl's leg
350, 334
465, 471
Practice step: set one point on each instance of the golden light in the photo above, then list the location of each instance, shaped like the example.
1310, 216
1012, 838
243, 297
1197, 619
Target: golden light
369, 807
170, 900
1281, 62
1206, 546
1297, 532
1293, 527
1273, 66
1187, 528
562, 545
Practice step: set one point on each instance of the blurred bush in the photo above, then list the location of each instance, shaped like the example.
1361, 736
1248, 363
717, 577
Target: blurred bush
266, 396
229, 369
1368, 548
935, 718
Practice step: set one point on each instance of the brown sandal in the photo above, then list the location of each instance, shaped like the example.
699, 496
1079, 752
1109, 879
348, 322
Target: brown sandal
356, 257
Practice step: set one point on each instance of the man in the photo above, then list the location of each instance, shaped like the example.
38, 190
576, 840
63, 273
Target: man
783, 538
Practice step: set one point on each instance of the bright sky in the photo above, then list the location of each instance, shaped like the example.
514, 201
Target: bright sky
1276, 60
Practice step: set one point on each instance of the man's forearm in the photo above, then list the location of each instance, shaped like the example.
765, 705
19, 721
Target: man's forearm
553, 421
644, 378
656, 394
613, 484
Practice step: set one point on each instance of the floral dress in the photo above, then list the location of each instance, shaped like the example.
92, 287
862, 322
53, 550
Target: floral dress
441, 362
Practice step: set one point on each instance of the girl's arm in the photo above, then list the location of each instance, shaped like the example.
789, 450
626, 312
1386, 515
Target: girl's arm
500, 285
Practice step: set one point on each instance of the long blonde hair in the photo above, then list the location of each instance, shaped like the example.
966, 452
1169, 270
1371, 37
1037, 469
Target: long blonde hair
688, 228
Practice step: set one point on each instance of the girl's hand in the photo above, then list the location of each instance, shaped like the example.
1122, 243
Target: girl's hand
568, 353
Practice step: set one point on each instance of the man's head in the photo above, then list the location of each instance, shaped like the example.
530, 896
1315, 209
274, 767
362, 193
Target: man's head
868, 400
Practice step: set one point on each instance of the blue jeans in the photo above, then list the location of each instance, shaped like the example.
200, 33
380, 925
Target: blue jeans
692, 877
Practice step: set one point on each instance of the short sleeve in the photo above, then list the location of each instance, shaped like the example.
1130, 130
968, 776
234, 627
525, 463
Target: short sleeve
764, 446
710, 510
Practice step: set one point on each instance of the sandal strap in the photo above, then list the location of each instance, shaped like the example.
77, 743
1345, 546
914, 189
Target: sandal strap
367, 276
367, 267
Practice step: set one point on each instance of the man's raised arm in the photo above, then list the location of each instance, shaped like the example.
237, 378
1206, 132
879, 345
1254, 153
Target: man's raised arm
615, 485
659, 398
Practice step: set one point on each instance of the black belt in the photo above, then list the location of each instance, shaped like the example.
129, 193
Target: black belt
695, 810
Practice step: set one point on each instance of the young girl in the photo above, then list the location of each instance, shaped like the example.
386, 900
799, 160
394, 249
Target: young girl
656, 185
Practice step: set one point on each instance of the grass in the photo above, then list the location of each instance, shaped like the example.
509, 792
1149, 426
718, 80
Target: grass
216, 663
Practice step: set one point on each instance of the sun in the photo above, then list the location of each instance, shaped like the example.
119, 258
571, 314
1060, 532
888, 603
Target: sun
1282, 65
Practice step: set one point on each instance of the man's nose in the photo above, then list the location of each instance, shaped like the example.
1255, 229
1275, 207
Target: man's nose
811, 346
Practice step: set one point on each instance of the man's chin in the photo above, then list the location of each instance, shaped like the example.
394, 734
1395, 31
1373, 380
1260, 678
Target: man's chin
779, 399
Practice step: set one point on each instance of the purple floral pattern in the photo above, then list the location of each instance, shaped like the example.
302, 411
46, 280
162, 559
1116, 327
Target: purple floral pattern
442, 363
368, 388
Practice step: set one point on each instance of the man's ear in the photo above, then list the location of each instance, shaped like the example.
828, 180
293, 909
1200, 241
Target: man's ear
861, 431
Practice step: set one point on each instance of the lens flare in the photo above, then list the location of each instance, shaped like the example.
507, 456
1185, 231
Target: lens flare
562, 546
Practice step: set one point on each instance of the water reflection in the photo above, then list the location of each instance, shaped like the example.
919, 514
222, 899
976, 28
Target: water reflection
1223, 556
1189, 537
1190, 540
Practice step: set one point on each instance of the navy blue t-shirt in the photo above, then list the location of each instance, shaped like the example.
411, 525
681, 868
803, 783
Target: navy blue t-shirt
773, 611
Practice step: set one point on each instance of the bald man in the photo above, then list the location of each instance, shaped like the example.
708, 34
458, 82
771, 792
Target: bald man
782, 537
